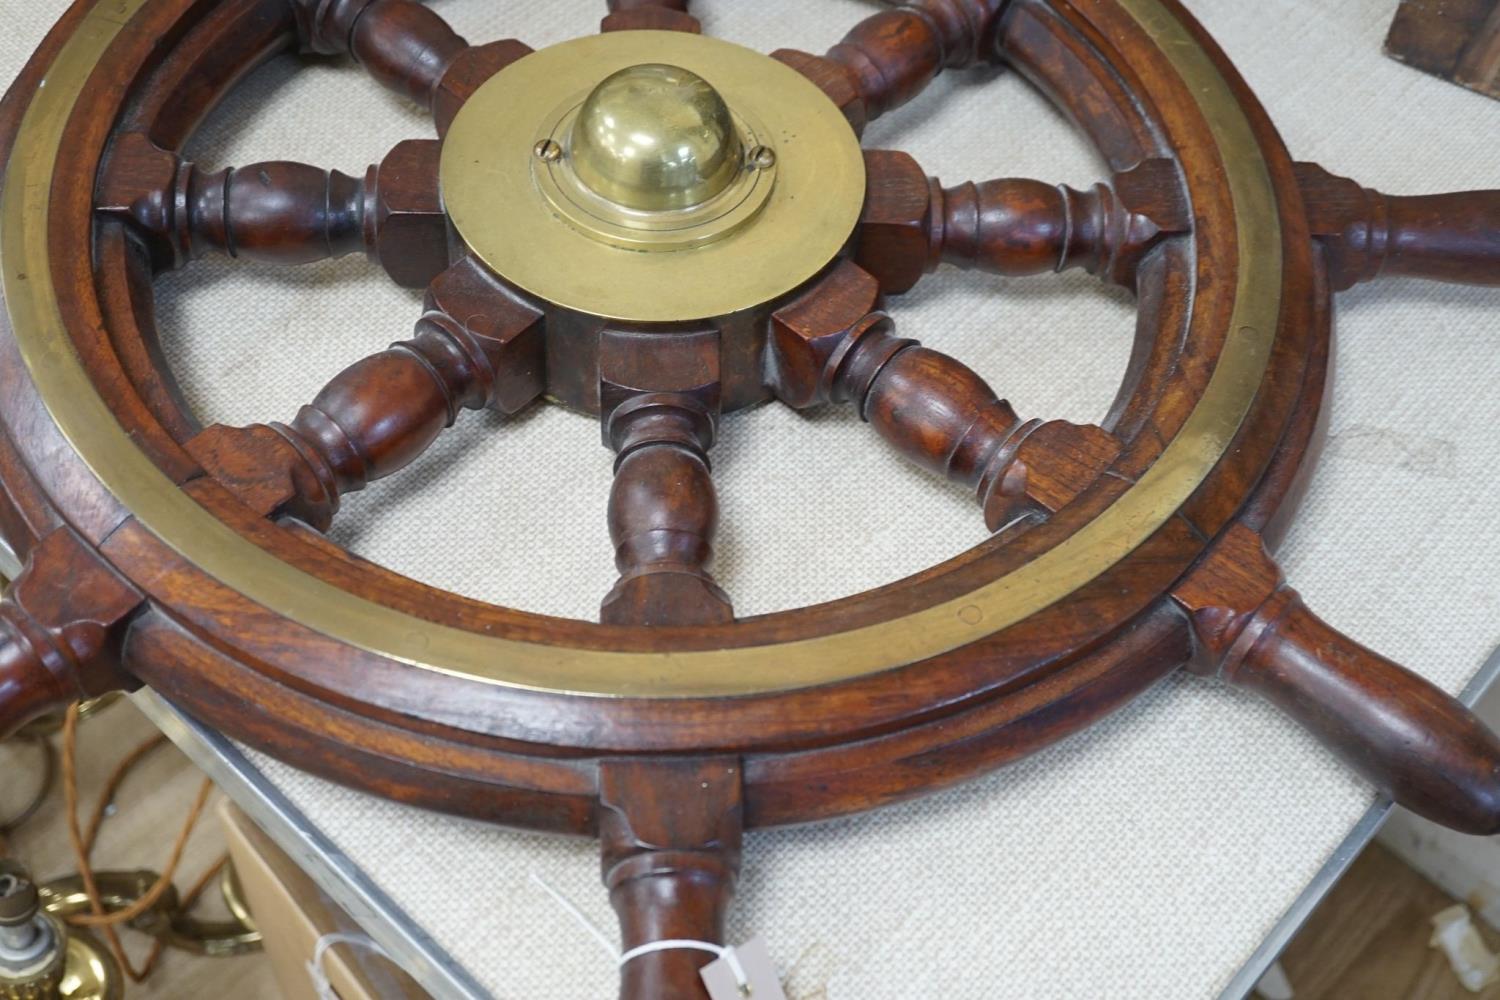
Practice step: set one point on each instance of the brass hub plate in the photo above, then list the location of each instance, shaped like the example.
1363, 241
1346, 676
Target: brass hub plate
491, 190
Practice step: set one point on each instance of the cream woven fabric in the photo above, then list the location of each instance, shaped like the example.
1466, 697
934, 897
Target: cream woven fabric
1144, 858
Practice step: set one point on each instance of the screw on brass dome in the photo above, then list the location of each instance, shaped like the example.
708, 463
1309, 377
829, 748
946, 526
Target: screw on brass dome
655, 138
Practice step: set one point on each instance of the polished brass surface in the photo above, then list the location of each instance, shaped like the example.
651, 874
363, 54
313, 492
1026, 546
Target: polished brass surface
712, 211
238, 563
67, 963
655, 138
90, 971
234, 898
730, 235
47, 725
166, 919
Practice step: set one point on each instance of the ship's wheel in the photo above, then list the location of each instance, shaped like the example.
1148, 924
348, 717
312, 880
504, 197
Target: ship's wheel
659, 227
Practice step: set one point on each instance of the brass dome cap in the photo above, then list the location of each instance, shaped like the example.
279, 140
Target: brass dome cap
655, 138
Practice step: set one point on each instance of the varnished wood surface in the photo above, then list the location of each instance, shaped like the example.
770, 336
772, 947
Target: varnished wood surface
1458, 40
891, 57
650, 15
1444, 237
671, 834
1411, 740
1012, 226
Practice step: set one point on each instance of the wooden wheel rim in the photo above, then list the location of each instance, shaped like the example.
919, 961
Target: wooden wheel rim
781, 666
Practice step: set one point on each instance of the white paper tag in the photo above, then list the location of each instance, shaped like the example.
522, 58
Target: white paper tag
761, 981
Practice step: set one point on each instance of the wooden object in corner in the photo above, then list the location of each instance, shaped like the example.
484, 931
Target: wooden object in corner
1458, 40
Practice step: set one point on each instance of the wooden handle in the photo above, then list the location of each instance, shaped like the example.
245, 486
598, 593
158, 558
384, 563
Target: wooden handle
62, 623
1406, 737
29, 685
1368, 235
379, 414
660, 398
1416, 744
1012, 226
671, 832
834, 344
282, 212
279, 212
1445, 237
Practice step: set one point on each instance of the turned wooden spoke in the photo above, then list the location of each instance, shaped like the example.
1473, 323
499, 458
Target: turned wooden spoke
660, 396
891, 57
835, 345
282, 212
378, 415
1368, 235
911, 223
405, 47
655, 15
1408, 738
671, 832
402, 44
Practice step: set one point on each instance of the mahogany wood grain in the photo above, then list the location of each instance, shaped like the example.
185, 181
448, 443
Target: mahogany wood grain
554, 761
652, 15
1406, 737
402, 44
660, 396
406, 47
810, 717
469, 70
61, 624
380, 414
1457, 40
407, 230
934, 410
890, 57
1367, 235
671, 832
1016, 227
282, 212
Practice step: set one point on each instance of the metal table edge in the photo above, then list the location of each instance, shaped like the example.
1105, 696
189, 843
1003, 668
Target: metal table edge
333, 871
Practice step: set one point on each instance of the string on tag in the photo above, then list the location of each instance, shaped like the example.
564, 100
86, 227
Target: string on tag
672, 944
322, 986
